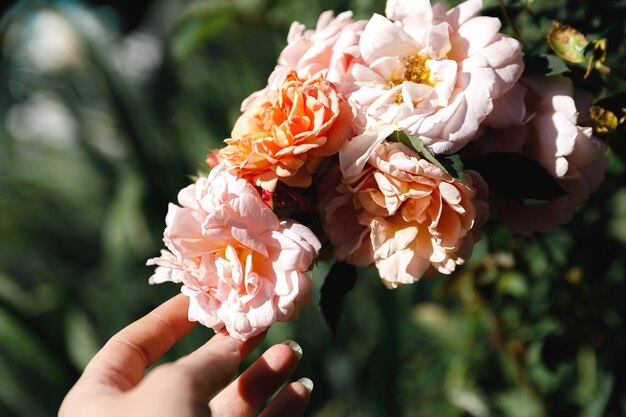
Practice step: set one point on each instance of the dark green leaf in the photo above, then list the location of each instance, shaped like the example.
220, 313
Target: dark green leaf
517, 177
451, 164
544, 64
339, 281
195, 31
417, 145
614, 103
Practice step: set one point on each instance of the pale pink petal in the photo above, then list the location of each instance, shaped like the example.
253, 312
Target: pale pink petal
416, 10
354, 155
414, 15
550, 136
463, 58
463, 12
472, 36
233, 261
509, 109
560, 138
382, 38
443, 73
386, 67
438, 43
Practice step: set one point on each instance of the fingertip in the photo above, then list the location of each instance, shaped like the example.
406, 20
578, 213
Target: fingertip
258, 382
307, 384
295, 347
282, 357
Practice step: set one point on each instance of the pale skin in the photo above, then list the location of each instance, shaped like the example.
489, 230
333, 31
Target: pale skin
115, 382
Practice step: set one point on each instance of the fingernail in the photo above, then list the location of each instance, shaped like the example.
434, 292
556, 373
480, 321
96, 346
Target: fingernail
295, 347
308, 384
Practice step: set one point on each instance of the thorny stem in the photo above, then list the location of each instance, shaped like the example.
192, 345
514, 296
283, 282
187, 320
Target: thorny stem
509, 22
532, 14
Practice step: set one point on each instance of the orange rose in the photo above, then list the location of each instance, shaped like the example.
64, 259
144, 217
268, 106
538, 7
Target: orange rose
286, 134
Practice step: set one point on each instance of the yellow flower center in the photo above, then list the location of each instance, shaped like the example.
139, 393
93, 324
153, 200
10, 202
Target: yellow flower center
415, 70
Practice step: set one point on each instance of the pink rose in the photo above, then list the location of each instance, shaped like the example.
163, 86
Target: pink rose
325, 52
550, 135
433, 73
286, 134
241, 267
402, 213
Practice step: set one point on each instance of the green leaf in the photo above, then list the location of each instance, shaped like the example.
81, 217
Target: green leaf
417, 145
518, 403
451, 164
199, 28
517, 177
597, 407
339, 281
513, 283
544, 64
614, 103
82, 342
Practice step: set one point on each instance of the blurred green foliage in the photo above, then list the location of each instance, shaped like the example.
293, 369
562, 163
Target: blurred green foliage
100, 129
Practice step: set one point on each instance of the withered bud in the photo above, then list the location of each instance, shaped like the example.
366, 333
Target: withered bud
603, 121
567, 43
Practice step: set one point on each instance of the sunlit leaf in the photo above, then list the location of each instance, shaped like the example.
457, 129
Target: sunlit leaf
451, 164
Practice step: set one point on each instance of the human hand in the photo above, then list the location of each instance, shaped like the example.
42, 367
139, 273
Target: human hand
113, 383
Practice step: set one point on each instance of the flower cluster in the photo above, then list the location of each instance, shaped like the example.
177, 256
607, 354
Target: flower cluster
395, 134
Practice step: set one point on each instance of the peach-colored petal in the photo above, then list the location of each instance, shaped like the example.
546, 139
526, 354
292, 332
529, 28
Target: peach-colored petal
403, 214
283, 135
240, 266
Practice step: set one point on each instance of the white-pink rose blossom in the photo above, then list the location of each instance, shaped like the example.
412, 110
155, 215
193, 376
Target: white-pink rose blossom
432, 73
241, 267
538, 118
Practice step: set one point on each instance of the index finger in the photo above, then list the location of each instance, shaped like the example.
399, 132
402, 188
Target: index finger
123, 360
